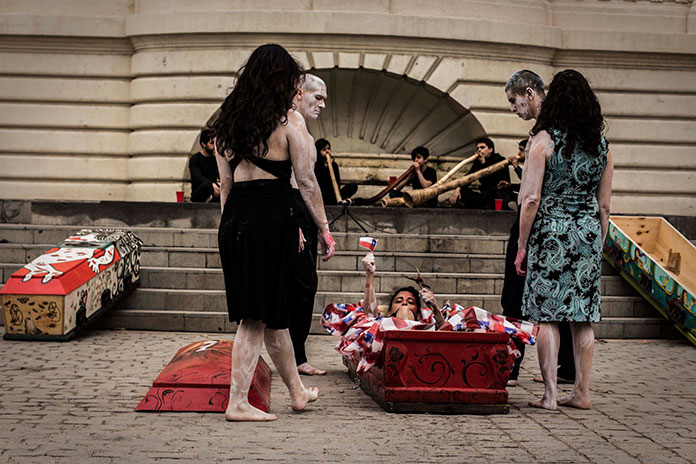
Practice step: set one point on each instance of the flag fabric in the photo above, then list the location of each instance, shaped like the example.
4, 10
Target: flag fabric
369, 243
362, 336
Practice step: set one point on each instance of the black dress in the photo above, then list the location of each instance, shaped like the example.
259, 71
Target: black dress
258, 240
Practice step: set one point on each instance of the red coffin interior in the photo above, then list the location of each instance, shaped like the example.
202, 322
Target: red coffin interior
198, 379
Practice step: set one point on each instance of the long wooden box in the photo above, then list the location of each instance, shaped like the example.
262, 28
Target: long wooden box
439, 372
70, 285
198, 379
640, 248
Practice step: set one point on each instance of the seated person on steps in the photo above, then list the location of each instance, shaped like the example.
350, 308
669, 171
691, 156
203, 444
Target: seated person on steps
205, 183
507, 191
466, 197
321, 171
425, 176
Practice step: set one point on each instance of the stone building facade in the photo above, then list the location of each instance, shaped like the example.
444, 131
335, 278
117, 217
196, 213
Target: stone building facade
104, 99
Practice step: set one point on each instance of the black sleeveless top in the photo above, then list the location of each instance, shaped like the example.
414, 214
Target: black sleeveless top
280, 169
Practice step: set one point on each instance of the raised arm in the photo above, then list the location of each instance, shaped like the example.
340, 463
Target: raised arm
300, 147
530, 192
226, 178
604, 195
370, 298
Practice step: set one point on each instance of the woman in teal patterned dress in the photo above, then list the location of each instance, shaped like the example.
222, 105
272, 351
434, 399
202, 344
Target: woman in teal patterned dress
565, 197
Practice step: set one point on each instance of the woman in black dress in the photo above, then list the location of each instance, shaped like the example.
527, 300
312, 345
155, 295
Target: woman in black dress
260, 141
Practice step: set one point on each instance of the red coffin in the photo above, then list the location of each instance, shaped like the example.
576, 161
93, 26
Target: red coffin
444, 372
198, 379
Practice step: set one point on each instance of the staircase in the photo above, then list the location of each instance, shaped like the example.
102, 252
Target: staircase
459, 253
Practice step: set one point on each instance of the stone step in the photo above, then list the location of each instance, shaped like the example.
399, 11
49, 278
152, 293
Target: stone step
218, 321
207, 216
346, 281
49, 235
214, 300
343, 260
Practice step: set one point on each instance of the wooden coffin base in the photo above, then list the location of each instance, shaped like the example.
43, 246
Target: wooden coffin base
197, 379
81, 324
439, 372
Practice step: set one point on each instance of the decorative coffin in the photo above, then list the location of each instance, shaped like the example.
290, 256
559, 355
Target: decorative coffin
660, 263
198, 379
442, 372
70, 285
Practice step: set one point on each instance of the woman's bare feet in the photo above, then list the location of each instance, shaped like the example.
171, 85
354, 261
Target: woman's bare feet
306, 395
243, 411
575, 401
544, 403
307, 369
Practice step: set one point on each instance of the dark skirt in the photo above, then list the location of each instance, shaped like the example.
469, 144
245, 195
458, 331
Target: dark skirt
258, 240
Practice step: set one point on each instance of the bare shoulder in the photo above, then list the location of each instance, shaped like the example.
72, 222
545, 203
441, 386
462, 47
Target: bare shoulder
296, 121
543, 142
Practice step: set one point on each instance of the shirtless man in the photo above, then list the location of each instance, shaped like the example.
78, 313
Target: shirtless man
309, 102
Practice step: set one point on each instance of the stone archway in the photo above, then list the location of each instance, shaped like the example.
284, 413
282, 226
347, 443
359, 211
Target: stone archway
375, 112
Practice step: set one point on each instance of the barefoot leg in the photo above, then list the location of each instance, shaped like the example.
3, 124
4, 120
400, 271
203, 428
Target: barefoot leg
547, 350
279, 347
583, 351
245, 355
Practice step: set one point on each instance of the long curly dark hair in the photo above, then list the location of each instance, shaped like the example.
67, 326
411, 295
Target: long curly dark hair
572, 106
260, 101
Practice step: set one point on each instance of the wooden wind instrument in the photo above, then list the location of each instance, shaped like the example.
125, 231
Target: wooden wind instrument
368, 201
418, 197
336, 188
455, 169
400, 201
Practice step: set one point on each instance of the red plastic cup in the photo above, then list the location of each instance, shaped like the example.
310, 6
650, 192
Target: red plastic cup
392, 179
179, 196
498, 204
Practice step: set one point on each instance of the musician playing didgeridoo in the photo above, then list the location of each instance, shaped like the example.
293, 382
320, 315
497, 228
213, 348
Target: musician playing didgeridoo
424, 176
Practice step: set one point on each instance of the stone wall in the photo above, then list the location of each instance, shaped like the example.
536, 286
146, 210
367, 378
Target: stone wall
104, 99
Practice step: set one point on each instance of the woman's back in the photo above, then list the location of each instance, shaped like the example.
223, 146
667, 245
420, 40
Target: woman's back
276, 160
571, 182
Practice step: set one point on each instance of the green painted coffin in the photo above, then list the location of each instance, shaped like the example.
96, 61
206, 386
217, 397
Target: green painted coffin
660, 263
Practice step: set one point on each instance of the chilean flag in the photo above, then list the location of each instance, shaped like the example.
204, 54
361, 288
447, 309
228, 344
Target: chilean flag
369, 243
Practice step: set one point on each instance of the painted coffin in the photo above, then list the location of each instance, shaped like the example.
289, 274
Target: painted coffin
198, 379
439, 372
660, 263
70, 285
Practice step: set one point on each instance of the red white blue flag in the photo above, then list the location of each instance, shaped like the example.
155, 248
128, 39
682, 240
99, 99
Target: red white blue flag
369, 243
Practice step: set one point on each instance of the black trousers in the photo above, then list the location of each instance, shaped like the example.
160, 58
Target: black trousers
304, 286
201, 194
511, 301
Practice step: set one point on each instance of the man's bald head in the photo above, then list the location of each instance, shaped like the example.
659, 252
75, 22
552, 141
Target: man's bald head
311, 82
310, 100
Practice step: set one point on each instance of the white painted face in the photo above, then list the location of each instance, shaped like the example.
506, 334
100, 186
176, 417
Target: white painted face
519, 105
312, 102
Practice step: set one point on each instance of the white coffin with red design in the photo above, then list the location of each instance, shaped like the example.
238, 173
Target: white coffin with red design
67, 287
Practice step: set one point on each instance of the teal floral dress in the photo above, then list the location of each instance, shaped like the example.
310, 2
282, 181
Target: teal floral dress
564, 250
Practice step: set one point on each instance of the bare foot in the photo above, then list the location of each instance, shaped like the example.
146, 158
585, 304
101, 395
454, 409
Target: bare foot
243, 411
307, 395
574, 401
544, 403
307, 369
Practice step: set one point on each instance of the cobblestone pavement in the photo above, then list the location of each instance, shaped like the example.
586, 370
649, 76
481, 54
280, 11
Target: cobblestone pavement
75, 402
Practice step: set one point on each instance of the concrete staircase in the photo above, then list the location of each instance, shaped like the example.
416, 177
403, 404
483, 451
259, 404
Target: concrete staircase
182, 286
